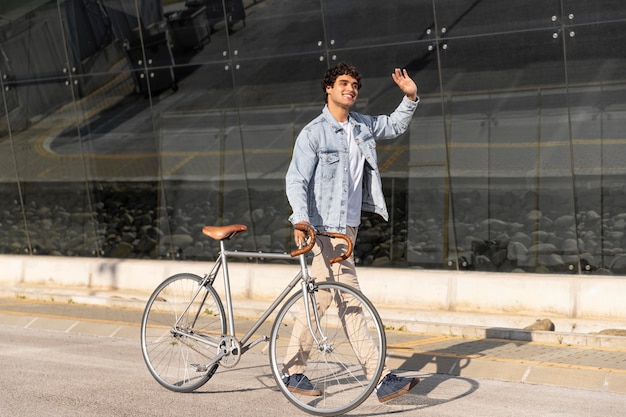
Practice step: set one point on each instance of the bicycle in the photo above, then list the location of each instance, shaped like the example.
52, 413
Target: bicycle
186, 333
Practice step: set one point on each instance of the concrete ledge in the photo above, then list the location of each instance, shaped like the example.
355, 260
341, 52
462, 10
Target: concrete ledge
473, 304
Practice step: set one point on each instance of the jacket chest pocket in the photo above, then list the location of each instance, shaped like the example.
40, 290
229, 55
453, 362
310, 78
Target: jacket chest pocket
329, 163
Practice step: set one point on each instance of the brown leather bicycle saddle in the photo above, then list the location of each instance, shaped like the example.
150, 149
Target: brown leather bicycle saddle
224, 232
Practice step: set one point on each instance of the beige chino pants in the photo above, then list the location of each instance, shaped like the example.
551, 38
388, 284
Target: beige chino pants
349, 309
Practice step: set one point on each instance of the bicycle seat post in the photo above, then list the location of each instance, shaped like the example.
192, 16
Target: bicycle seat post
229, 301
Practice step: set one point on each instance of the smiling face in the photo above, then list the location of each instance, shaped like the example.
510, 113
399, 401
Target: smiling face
343, 92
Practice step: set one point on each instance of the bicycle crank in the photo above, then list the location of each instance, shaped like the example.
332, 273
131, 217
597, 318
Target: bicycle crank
230, 349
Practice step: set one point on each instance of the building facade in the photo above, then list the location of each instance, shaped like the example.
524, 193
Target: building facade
127, 125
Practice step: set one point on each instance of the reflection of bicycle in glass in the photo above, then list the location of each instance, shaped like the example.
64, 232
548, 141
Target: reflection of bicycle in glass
186, 332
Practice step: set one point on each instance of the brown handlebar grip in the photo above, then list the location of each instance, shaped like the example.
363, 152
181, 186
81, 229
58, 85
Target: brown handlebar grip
311, 232
348, 251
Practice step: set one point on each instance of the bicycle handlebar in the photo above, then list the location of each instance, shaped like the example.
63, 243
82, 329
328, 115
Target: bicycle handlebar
348, 241
311, 234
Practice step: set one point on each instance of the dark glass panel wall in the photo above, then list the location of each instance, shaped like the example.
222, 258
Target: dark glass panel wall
127, 125
508, 136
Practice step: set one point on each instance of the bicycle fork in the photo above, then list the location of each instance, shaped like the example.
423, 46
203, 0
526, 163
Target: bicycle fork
309, 288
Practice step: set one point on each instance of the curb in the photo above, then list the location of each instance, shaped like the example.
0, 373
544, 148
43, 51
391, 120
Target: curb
413, 321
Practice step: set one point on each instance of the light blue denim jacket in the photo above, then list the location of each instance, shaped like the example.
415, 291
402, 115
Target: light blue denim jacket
317, 180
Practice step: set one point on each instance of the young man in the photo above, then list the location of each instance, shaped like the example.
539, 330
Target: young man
334, 175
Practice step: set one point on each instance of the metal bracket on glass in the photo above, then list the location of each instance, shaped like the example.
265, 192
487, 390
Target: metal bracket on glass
432, 42
560, 27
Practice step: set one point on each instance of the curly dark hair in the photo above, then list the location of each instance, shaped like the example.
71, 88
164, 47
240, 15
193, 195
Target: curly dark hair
334, 72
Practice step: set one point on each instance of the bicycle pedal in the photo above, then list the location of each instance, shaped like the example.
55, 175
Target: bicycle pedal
199, 368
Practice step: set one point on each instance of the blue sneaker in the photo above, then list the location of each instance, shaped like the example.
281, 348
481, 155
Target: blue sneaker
393, 386
300, 384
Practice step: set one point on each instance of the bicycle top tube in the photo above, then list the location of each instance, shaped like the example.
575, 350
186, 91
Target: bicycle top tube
228, 232
222, 233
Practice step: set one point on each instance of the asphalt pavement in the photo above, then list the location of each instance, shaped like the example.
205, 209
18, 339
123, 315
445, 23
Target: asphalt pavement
597, 364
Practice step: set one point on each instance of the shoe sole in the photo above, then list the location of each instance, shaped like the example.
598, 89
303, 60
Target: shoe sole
401, 392
310, 393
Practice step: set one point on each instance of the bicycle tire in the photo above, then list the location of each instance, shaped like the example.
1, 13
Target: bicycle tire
174, 360
336, 371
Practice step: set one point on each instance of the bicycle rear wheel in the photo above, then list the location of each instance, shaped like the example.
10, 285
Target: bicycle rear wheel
346, 366
172, 338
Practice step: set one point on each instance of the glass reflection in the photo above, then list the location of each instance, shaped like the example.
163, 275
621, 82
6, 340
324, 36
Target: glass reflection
276, 30
489, 17
127, 125
507, 138
379, 23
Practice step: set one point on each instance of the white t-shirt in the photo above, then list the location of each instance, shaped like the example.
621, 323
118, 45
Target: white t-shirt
356, 162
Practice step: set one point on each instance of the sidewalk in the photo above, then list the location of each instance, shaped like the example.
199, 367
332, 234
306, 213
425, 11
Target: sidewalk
594, 362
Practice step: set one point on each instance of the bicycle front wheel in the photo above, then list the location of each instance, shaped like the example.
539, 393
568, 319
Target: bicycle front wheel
179, 322
344, 363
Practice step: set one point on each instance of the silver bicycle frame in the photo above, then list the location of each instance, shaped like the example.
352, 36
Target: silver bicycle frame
302, 276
